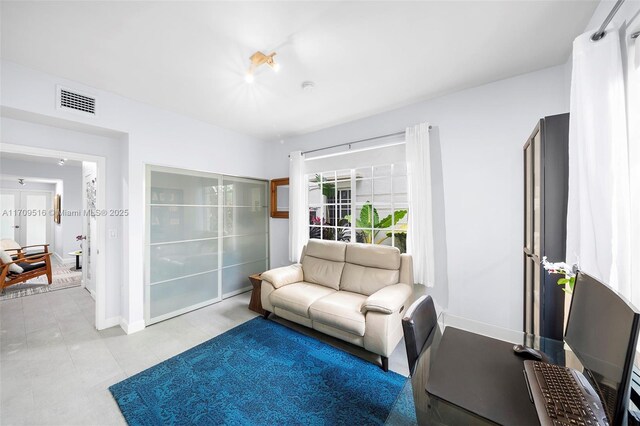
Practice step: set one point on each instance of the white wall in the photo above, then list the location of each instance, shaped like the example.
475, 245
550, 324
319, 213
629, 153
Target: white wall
477, 140
151, 136
71, 191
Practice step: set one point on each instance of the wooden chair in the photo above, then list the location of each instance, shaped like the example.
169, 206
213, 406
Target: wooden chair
33, 265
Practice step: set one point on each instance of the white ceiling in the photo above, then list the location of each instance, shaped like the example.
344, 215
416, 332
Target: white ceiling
365, 57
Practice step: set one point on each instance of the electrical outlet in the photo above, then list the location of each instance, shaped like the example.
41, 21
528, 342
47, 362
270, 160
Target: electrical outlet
113, 233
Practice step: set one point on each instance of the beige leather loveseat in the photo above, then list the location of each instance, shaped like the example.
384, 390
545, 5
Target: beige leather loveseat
355, 292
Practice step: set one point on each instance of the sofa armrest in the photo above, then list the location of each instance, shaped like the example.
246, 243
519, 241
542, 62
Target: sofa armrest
279, 277
388, 299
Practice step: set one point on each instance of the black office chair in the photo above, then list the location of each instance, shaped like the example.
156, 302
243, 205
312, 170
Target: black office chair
418, 326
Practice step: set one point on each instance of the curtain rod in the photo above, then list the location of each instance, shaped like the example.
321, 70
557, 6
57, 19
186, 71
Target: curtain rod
354, 142
602, 30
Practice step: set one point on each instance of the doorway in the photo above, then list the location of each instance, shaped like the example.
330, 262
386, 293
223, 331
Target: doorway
95, 227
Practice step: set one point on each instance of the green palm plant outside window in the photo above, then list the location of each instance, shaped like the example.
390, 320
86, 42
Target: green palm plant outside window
371, 223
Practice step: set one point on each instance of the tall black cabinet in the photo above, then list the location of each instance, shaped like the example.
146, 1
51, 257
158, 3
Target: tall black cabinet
546, 157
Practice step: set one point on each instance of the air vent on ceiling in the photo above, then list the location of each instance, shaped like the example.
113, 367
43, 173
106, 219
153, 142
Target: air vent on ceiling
73, 100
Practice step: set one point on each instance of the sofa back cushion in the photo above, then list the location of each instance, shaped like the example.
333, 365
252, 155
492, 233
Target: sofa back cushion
374, 255
366, 280
328, 250
369, 268
323, 261
321, 271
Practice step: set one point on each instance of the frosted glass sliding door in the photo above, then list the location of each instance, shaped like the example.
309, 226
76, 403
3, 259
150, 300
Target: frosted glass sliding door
193, 219
245, 248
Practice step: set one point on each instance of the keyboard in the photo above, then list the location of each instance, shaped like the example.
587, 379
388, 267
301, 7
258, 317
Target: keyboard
563, 396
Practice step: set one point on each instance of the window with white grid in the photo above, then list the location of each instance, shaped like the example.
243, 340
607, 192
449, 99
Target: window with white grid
365, 204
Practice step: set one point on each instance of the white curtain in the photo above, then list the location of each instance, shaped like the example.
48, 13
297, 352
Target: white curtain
633, 123
420, 227
298, 210
598, 217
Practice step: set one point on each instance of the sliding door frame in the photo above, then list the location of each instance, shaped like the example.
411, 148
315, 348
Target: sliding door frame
153, 167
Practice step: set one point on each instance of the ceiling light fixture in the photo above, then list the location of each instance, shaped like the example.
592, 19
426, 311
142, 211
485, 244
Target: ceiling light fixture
62, 161
258, 59
21, 182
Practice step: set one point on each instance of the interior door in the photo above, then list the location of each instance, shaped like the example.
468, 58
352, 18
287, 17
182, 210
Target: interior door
9, 221
25, 217
35, 223
89, 227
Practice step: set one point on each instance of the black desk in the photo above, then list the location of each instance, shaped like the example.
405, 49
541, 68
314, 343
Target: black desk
467, 378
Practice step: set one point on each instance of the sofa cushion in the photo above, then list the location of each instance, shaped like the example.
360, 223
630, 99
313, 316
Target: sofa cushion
298, 297
340, 310
322, 271
5, 258
374, 255
366, 280
329, 250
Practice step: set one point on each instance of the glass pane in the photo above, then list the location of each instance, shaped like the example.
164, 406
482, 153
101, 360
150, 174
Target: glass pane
315, 232
400, 198
529, 266
342, 212
245, 220
364, 190
399, 169
314, 215
244, 192
382, 189
315, 197
400, 185
8, 222
330, 214
343, 234
175, 188
527, 198
169, 261
180, 294
177, 223
328, 233
343, 179
329, 187
364, 235
382, 236
400, 241
249, 248
382, 170
236, 278
364, 173
36, 224
537, 212
401, 216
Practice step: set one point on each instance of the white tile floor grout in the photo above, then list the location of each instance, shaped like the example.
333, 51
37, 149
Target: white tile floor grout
55, 368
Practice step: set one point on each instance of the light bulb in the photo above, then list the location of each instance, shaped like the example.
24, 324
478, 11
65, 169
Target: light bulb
276, 67
248, 77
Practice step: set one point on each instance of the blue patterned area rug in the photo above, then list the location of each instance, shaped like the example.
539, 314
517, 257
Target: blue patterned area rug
260, 373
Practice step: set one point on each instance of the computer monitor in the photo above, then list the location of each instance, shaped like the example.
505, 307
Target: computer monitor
602, 331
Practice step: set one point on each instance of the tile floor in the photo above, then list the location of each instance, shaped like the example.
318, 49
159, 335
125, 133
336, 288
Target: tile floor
55, 368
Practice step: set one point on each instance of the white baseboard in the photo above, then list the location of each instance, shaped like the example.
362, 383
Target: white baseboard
514, 336
111, 322
64, 260
132, 328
